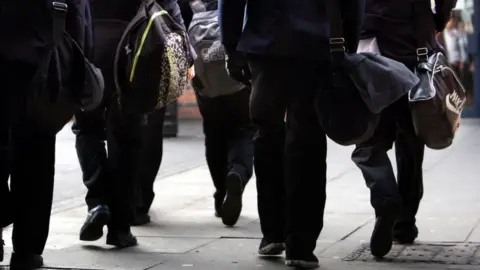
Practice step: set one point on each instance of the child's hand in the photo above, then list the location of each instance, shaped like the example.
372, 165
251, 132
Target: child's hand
191, 73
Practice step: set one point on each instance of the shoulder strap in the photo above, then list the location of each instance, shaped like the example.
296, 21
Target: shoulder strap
59, 9
141, 13
418, 12
337, 40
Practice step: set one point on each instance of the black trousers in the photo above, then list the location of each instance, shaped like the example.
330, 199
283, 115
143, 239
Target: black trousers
149, 161
371, 157
228, 136
290, 161
27, 155
110, 178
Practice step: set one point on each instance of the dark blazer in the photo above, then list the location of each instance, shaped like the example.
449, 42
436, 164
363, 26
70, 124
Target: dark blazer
26, 32
285, 28
396, 25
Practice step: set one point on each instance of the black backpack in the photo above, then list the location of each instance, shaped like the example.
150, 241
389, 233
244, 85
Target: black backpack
65, 81
151, 61
211, 77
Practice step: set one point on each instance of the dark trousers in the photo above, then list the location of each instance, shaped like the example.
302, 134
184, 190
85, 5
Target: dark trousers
228, 136
110, 179
371, 157
290, 160
27, 155
149, 161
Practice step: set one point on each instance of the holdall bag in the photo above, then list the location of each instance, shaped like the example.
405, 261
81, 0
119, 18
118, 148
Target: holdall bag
65, 80
360, 87
204, 33
438, 100
151, 61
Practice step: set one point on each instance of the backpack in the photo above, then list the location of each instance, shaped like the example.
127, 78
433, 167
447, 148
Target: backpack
65, 80
151, 61
212, 78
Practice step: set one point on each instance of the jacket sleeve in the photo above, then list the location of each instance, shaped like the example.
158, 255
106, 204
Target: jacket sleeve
171, 6
186, 12
231, 18
352, 13
443, 13
89, 37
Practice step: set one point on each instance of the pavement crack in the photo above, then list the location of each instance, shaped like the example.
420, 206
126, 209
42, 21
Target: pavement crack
337, 177
477, 225
355, 230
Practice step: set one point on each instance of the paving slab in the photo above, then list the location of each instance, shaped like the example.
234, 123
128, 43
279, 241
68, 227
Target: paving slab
432, 229
185, 234
428, 253
227, 254
96, 258
241, 255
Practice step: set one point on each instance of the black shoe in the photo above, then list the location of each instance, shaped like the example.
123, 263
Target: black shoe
268, 248
219, 198
308, 261
141, 219
382, 236
97, 218
405, 235
25, 261
232, 206
121, 239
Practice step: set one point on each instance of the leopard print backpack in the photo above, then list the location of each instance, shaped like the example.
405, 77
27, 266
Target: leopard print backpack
151, 61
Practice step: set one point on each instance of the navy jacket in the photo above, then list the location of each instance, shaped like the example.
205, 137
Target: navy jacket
125, 10
25, 33
285, 28
397, 23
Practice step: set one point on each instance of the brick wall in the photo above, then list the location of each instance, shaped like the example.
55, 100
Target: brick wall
187, 105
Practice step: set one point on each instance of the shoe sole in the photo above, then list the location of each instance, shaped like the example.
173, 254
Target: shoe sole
382, 237
232, 206
274, 249
403, 242
93, 228
122, 244
302, 264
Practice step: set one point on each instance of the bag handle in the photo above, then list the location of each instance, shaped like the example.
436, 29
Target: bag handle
59, 9
422, 51
337, 39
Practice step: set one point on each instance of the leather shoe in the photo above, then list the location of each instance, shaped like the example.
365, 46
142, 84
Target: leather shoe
25, 261
97, 218
121, 239
382, 236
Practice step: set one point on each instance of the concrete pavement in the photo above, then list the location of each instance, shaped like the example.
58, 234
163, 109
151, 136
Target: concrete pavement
180, 154
185, 234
